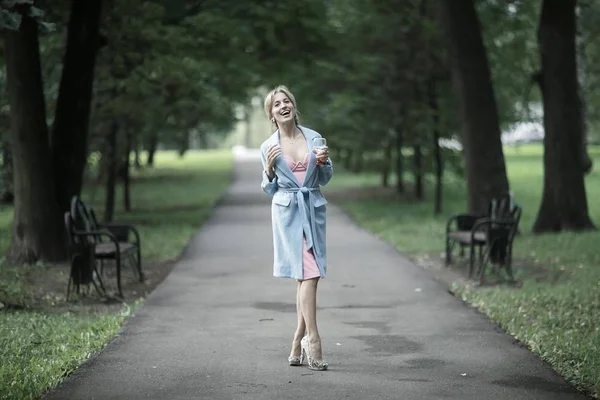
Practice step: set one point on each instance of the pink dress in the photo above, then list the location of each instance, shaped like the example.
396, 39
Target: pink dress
309, 264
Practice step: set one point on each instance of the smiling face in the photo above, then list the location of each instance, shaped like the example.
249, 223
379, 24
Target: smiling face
280, 106
283, 109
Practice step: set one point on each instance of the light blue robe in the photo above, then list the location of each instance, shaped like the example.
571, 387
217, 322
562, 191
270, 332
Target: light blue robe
296, 209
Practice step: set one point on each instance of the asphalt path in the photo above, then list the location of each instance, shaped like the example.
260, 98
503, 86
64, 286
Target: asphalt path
220, 326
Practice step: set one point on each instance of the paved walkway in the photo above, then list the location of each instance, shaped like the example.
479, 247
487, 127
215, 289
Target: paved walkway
220, 326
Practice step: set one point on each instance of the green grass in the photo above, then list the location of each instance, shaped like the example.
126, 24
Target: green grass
171, 201
37, 350
555, 311
46, 341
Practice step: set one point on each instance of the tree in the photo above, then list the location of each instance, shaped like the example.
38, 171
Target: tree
564, 203
38, 231
38, 228
585, 12
484, 158
71, 120
588, 51
6, 172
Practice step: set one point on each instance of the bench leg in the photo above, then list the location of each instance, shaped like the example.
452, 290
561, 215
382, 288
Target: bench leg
481, 271
101, 293
485, 259
118, 260
135, 267
99, 275
69, 287
139, 263
508, 264
448, 251
471, 260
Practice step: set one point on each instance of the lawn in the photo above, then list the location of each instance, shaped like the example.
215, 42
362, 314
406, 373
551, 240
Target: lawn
555, 310
44, 338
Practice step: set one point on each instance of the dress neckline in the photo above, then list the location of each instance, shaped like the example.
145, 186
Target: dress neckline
296, 162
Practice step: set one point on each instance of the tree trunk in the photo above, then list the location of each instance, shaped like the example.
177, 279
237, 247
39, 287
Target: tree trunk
125, 174
399, 160
484, 159
152, 146
248, 125
347, 160
418, 171
358, 162
8, 193
71, 121
38, 227
564, 203
386, 168
203, 140
437, 153
111, 176
586, 160
581, 90
184, 144
136, 159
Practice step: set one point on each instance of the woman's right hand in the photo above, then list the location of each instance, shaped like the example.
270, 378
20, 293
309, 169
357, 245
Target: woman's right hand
273, 152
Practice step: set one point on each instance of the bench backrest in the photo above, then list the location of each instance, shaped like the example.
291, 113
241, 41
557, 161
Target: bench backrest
81, 219
504, 209
500, 208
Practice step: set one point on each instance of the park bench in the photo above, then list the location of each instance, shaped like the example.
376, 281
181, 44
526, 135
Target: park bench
90, 242
492, 233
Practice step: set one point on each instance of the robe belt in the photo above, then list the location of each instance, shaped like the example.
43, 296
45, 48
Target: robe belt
308, 224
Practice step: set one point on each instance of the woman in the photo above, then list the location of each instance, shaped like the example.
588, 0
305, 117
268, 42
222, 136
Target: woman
292, 173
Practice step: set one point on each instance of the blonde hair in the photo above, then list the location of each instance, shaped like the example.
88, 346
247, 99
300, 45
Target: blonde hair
269, 102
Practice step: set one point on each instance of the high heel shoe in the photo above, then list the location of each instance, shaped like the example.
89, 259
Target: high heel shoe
315, 365
295, 361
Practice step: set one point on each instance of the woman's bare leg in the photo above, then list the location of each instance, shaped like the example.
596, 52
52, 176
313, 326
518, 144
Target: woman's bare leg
301, 327
308, 301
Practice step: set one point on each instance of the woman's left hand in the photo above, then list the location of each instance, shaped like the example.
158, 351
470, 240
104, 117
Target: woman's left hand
322, 155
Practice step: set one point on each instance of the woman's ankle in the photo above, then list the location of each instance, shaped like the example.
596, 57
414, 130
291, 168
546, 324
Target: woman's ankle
297, 337
314, 339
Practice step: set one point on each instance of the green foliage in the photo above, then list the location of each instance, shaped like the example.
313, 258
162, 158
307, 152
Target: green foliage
10, 17
176, 10
182, 68
12, 11
510, 34
588, 44
509, 31
146, 82
372, 85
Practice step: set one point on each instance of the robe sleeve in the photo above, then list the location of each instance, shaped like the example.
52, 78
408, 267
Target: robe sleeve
325, 172
269, 187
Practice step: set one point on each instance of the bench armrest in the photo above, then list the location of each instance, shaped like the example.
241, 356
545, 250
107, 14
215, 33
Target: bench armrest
95, 233
115, 227
489, 223
463, 221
